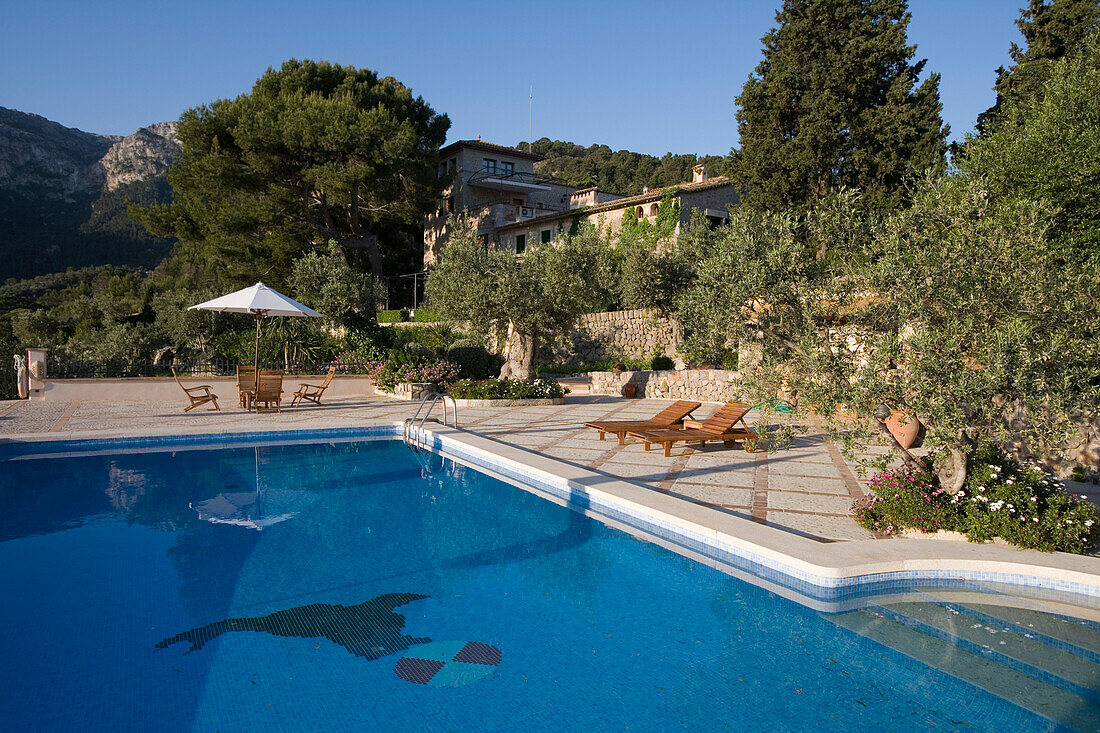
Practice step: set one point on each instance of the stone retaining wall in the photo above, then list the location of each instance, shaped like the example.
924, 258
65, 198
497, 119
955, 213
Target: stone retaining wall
701, 385
636, 334
510, 403
412, 391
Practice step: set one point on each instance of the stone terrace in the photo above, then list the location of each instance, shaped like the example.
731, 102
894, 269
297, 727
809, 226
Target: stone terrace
807, 489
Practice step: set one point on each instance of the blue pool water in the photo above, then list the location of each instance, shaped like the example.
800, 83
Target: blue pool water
355, 585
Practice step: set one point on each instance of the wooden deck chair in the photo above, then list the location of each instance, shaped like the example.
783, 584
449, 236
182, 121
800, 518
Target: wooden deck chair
313, 392
269, 389
246, 382
721, 426
198, 395
670, 417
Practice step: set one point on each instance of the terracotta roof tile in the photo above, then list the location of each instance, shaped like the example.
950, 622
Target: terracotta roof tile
489, 147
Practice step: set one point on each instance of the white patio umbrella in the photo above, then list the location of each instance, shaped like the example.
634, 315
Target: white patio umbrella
260, 301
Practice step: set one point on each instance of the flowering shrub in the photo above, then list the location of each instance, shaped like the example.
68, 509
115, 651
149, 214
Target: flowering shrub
901, 499
358, 361
388, 374
505, 389
1002, 498
401, 365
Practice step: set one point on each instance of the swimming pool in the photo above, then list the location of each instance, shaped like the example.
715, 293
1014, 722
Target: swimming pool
345, 584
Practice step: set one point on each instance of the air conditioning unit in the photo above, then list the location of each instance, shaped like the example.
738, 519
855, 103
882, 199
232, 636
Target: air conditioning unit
526, 212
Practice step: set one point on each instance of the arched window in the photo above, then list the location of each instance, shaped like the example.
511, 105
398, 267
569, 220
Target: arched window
638, 212
653, 209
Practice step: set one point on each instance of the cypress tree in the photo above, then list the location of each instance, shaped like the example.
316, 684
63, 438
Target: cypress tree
837, 103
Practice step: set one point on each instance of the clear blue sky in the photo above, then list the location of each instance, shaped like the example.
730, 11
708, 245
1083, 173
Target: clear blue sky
644, 76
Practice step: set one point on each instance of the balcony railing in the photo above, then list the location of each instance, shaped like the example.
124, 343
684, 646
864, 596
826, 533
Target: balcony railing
487, 177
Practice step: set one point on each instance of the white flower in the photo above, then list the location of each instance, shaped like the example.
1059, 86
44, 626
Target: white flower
1088, 522
1035, 519
996, 506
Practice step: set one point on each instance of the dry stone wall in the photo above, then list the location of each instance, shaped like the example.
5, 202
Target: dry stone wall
701, 385
635, 333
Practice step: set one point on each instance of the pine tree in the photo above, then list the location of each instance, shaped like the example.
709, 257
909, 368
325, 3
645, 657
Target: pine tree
836, 104
1051, 31
316, 152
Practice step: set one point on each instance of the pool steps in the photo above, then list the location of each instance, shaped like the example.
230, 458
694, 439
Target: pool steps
1005, 657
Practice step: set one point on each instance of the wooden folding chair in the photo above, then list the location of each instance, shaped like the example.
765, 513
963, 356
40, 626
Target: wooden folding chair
198, 395
313, 392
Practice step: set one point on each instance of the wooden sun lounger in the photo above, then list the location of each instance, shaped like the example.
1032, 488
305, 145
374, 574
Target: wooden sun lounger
671, 416
199, 395
269, 389
246, 383
313, 392
719, 427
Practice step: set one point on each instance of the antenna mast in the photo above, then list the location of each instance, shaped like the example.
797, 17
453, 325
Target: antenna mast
530, 120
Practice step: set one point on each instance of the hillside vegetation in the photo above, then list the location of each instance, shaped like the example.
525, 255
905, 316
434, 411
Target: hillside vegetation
617, 171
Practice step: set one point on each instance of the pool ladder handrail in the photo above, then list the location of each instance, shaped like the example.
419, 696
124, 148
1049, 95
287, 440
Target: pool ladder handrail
430, 400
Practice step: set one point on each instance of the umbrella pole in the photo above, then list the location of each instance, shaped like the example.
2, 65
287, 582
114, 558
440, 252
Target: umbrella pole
259, 317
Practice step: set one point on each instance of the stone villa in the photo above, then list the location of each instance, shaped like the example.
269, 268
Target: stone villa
512, 207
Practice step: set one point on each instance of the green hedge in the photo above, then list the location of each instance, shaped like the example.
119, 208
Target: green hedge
399, 316
426, 315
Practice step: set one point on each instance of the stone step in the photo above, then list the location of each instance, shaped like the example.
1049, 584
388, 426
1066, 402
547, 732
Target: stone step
1026, 660
1065, 666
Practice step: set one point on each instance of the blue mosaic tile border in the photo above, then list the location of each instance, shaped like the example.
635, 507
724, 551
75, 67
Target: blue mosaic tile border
16, 448
827, 589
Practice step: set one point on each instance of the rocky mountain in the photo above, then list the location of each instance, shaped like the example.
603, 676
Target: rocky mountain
63, 194
141, 156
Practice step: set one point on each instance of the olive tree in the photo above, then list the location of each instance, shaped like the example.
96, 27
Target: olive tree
345, 295
954, 311
526, 300
998, 336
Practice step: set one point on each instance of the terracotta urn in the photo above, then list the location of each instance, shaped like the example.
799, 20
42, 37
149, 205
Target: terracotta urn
908, 432
629, 390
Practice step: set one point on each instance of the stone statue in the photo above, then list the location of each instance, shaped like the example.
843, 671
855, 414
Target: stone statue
21, 376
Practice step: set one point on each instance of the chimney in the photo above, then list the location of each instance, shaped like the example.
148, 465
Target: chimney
699, 173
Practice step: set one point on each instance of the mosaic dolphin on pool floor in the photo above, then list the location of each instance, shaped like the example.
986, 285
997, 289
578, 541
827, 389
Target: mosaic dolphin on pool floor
370, 629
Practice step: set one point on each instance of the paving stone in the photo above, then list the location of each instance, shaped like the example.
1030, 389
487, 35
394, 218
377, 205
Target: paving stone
713, 494
831, 528
810, 502
780, 482
651, 475
717, 477
801, 468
